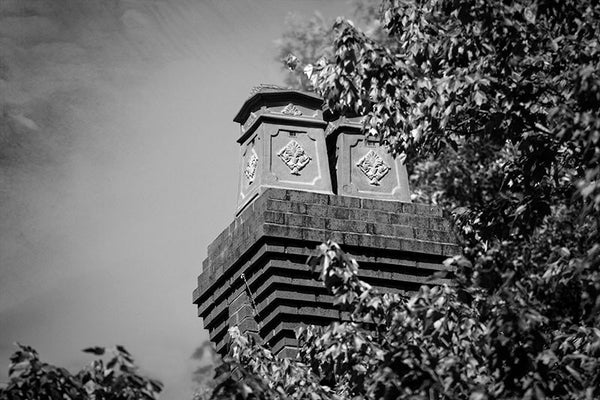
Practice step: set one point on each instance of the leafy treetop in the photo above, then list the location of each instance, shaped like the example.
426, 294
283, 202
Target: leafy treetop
496, 107
116, 379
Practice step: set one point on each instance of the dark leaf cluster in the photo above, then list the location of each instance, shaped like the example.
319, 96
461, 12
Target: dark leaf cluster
116, 378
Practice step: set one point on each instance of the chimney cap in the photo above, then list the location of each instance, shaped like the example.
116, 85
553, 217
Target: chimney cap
269, 94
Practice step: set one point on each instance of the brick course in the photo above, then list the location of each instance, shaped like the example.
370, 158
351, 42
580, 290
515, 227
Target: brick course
398, 245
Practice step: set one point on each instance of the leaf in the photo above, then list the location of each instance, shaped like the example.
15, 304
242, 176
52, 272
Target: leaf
308, 70
291, 62
95, 350
479, 98
436, 276
121, 349
314, 262
574, 373
246, 390
112, 362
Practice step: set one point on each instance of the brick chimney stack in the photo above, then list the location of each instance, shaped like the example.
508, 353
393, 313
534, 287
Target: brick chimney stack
304, 181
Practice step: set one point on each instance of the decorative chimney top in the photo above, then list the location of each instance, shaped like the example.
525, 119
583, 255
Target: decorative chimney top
270, 100
282, 143
363, 167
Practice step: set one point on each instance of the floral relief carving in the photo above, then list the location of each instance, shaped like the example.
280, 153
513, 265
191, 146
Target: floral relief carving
373, 166
291, 109
294, 156
251, 166
264, 87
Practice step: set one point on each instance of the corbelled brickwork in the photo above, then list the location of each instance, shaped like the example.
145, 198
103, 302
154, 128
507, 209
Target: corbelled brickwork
255, 275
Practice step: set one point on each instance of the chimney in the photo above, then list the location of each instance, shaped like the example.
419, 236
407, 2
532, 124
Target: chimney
304, 181
282, 144
362, 167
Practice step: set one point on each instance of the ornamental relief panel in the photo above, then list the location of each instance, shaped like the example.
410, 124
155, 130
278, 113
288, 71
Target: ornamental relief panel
294, 156
374, 167
251, 166
291, 109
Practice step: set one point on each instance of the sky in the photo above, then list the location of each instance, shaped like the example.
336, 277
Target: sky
118, 167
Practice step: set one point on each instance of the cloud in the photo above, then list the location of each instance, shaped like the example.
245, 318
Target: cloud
94, 142
118, 166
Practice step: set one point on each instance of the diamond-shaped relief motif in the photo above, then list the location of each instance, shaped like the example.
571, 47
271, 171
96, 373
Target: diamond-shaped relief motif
291, 109
251, 166
373, 166
294, 156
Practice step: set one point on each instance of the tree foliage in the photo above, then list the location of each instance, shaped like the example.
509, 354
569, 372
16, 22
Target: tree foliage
202, 376
496, 104
441, 343
308, 40
117, 378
